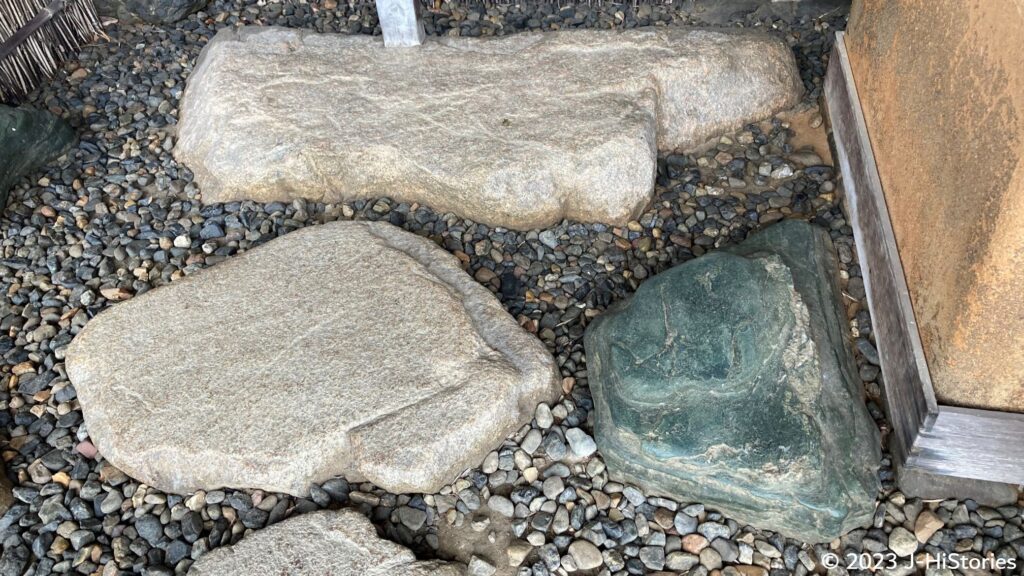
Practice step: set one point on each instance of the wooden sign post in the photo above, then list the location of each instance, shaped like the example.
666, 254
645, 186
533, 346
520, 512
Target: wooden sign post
400, 22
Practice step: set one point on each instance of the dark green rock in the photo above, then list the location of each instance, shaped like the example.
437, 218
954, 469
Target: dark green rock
729, 380
151, 11
28, 140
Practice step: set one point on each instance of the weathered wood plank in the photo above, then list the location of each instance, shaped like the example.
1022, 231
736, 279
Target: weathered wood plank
400, 22
968, 443
907, 384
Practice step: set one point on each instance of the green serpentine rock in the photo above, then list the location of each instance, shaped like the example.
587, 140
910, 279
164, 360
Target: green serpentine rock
28, 139
728, 380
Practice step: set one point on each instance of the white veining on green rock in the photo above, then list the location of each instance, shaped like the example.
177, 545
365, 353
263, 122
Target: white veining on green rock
728, 380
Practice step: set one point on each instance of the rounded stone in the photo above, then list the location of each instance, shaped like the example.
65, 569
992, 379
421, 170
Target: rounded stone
366, 350
585, 554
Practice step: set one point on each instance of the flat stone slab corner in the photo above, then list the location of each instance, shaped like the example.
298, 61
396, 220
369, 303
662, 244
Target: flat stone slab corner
352, 349
339, 543
729, 380
519, 131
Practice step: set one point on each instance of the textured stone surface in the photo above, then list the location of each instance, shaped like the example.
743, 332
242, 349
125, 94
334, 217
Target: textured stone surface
350, 348
955, 204
152, 11
6, 498
335, 543
28, 140
519, 131
728, 380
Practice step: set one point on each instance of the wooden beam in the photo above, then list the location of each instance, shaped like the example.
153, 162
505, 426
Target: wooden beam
400, 22
899, 346
968, 443
944, 440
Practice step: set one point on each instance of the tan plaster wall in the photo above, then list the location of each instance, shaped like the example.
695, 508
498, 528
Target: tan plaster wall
942, 86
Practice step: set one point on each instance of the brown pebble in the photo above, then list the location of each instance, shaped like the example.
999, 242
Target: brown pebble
694, 543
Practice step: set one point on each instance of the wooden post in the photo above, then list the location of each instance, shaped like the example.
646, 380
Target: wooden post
927, 437
400, 22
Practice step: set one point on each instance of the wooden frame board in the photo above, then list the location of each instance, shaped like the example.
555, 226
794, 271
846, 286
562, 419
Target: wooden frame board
945, 440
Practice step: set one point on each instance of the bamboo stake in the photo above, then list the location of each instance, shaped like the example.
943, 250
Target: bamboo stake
37, 37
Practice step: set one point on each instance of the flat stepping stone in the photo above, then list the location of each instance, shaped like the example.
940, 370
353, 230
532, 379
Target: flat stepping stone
729, 380
519, 131
335, 543
351, 348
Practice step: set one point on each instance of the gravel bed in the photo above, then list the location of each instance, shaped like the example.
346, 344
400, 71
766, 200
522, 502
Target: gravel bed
118, 216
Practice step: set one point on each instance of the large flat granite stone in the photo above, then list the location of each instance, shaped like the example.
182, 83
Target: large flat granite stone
519, 131
729, 380
324, 543
353, 349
